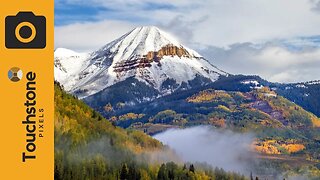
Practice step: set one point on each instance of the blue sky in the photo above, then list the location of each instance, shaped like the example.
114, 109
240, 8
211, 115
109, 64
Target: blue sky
282, 35
67, 12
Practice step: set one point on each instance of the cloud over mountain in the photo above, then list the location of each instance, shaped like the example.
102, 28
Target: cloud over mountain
275, 62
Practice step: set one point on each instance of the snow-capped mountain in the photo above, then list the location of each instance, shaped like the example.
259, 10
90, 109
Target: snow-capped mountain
147, 54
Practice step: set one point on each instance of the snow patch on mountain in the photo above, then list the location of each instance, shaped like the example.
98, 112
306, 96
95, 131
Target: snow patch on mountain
67, 65
313, 82
301, 86
254, 84
63, 52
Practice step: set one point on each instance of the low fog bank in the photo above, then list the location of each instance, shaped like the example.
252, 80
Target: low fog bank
224, 149
103, 147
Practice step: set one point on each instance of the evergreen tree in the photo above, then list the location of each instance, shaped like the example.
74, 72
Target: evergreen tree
184, 167
171, 170
162, 173
191, 168
134, 173
124, 173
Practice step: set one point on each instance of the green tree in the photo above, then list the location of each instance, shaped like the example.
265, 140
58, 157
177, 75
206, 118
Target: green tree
171, 170
191, 168
184, 167
133, 173
162, 173
124, 173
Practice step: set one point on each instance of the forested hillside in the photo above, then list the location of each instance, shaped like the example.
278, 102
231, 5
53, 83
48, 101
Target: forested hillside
87, 146
281, 127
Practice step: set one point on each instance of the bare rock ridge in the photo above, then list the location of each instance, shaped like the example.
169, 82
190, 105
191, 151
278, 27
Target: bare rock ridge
152, 56
168, 50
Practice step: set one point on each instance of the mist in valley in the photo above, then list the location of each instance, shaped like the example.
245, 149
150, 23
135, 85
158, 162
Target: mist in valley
204, 144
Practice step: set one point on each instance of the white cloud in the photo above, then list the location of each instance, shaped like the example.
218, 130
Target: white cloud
273, 62
316, 5
226, 22
89, 36
235, 21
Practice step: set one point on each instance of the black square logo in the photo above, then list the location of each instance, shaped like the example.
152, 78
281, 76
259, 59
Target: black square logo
25, 31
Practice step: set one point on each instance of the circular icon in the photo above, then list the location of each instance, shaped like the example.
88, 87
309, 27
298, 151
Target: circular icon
33, 32
15, 74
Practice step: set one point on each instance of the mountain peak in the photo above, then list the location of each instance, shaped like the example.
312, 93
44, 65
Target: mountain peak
147, 28
156, 34
139, 42
146, 53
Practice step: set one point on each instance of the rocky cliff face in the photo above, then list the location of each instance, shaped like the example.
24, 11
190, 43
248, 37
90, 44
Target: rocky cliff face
152, 56
168, 50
